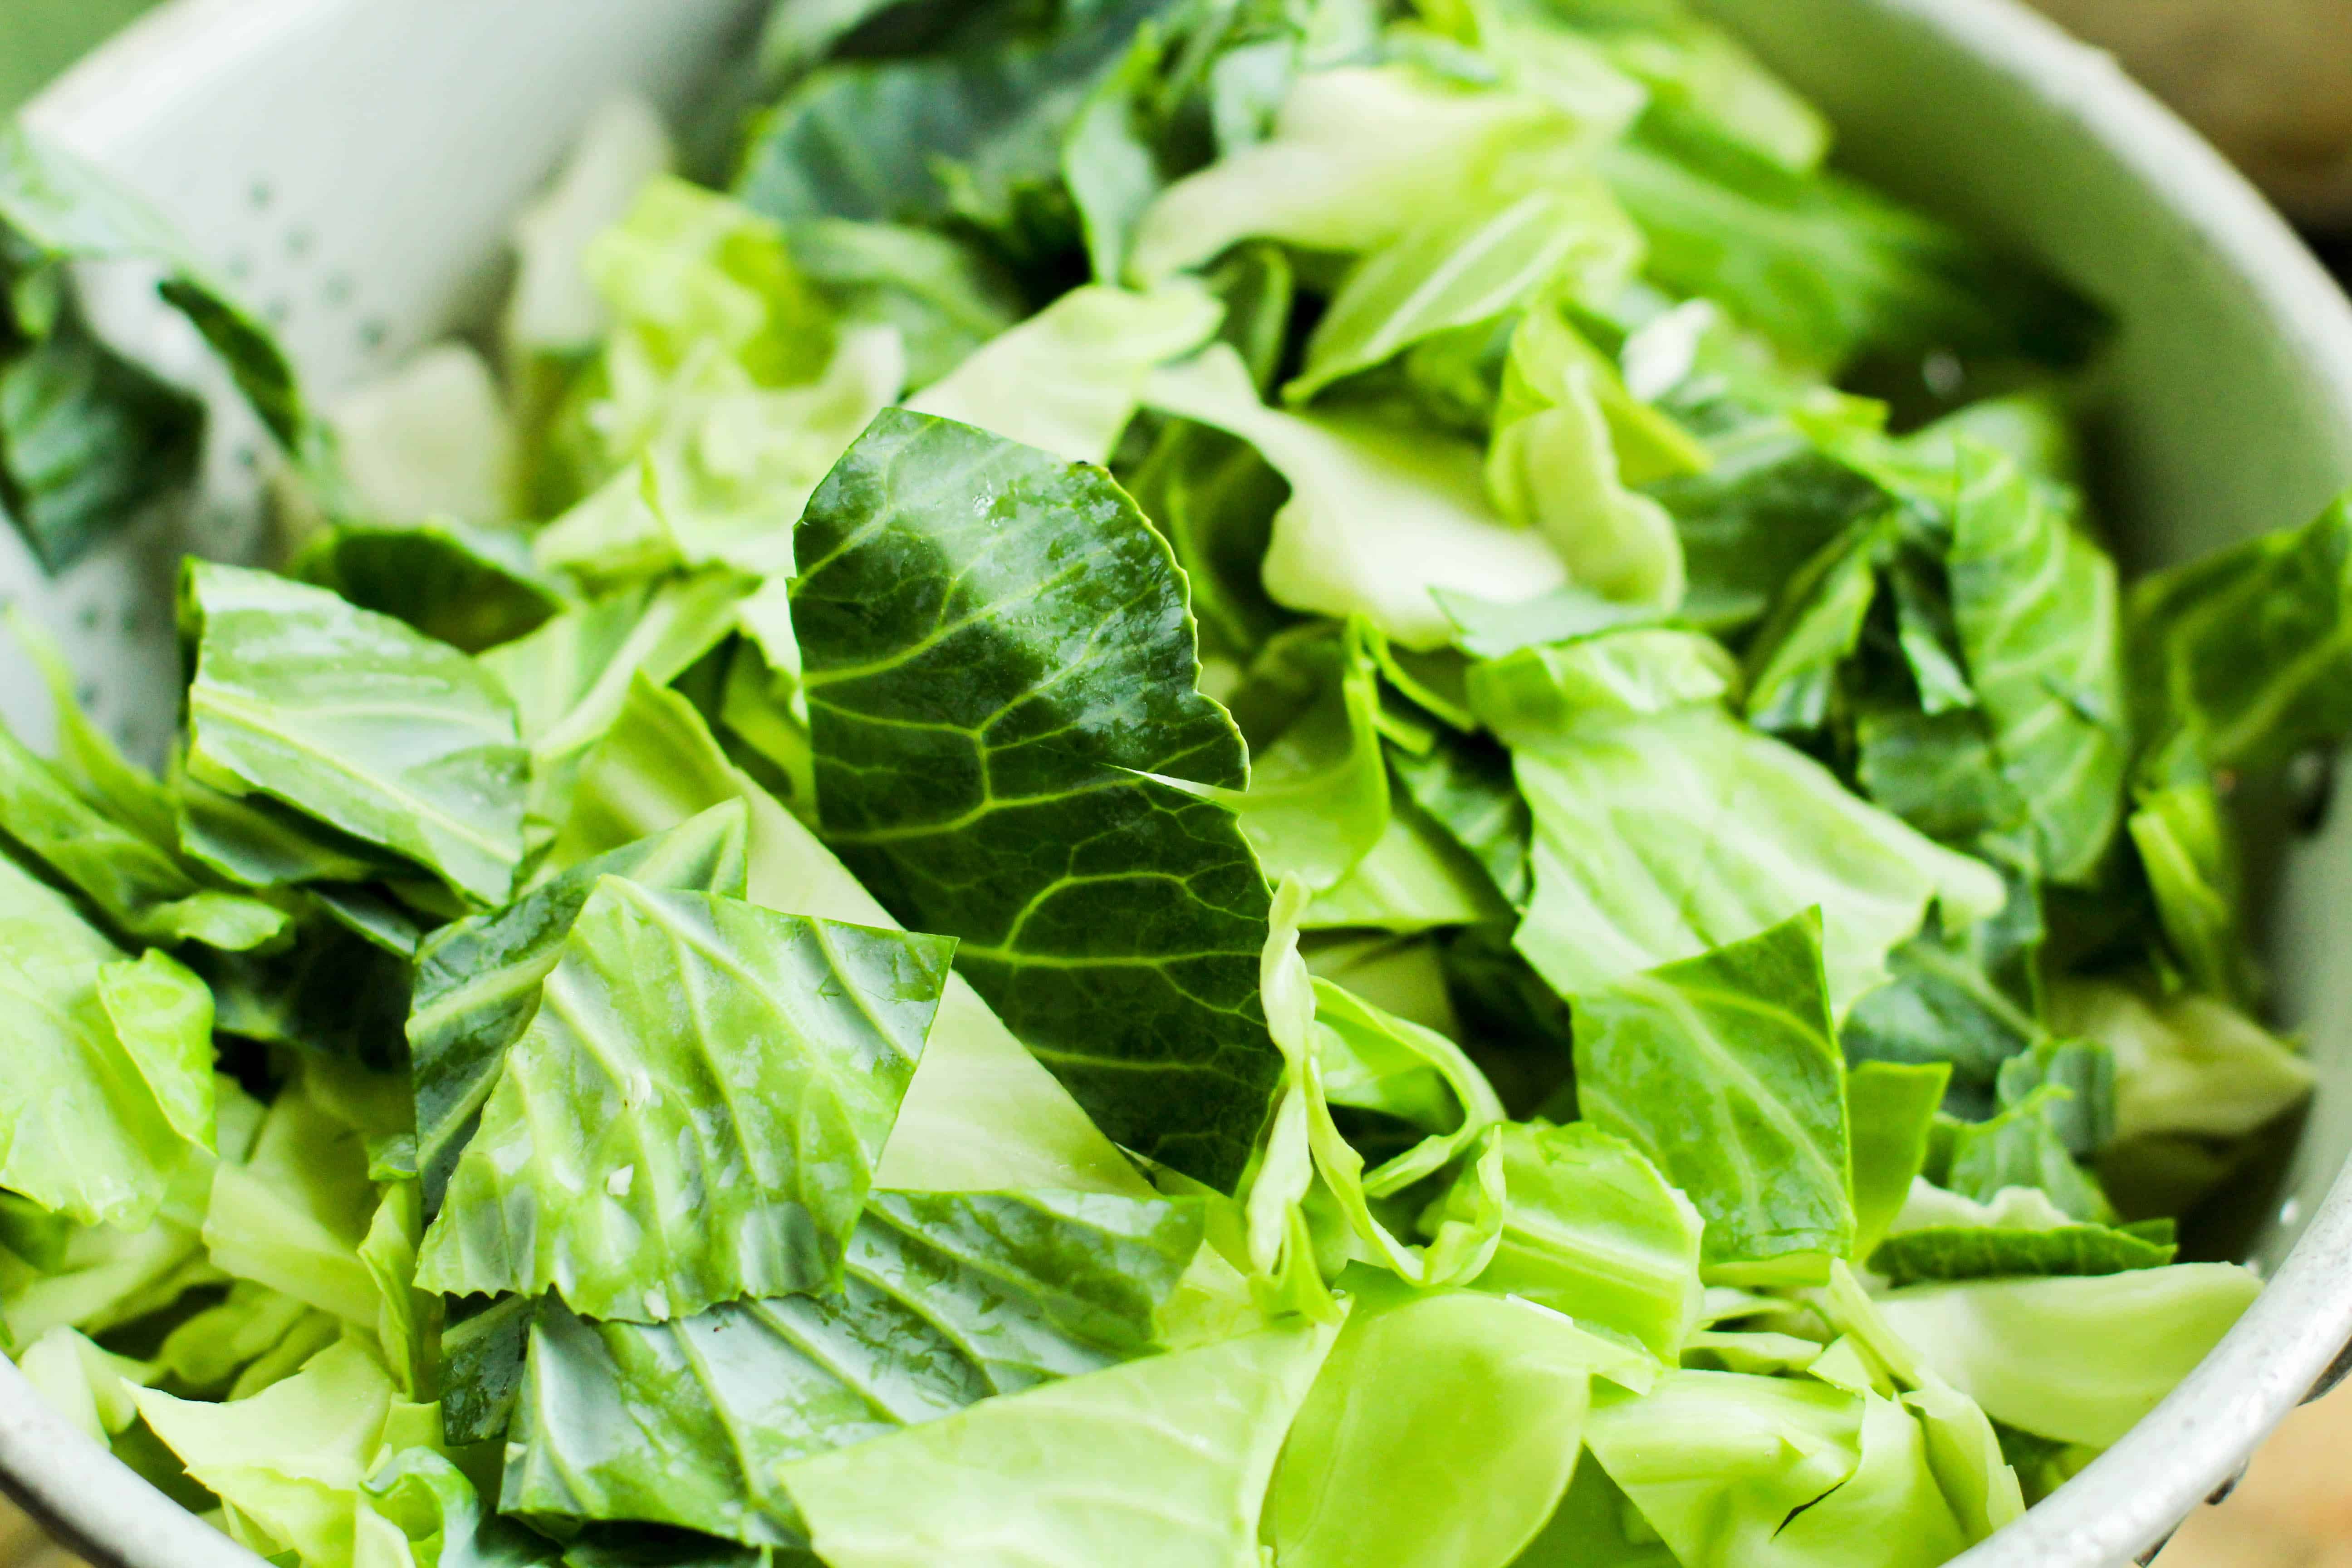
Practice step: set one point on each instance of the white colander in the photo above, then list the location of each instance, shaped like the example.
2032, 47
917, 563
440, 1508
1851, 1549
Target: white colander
352, 165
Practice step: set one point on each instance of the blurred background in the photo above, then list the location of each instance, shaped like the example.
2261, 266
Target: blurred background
2270, 82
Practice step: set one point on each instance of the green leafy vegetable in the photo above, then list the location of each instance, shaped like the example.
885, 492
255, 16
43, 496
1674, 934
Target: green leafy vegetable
1318, 801
472, 589
1466, 787
1067, 380
1342, 1051
1715, 1462
293, 1212
2192, 866
1415, 876
2079, 1359
2246, 649
290, 1460
257, 842
1113, 919
975, 133
139, 885
942, 292
1890, 1110
1533, 966
569, 677
483, 1345
1109, 163
1497, 1384
1593, 1229
1536, 696
1356, 157
1936, 770
1555, 464
685, 270
109, 1089
1375, 524
1892, 1509
439, 1516
2019, 1233
1214, 498
1793, 663
949, 1299
1767, 503
356, 720
982, 1114
88, 759
1595, 1523
2185, 1063
2037, 608
2026, 1146
1724, 1070
722, 464
1658, 836
756, 1094
477, 980
430, 440
2086, 1069
1178, 1448
1968, 996
1825, 267
1451, 273
88, 439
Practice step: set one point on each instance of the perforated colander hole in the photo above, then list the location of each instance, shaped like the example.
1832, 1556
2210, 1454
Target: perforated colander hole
86, 617
338, 290
259, 194
373, 334
239, 268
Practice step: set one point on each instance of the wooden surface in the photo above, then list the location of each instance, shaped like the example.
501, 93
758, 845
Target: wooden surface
21, 1544
2293, 1509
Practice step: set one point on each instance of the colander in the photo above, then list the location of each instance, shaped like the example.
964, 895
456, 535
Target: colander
351, 166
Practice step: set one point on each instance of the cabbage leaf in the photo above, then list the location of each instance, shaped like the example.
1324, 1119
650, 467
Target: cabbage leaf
2040, 622
1042, 805
1723, 1069
477, 980
1591, 1228
694, 1114
1659, 836
2076, 1358
2248, 647
948, 1299
1161, 1463
356, 720
1377, 520
1499, 1385
1067, 380
982, 1114
110, 1091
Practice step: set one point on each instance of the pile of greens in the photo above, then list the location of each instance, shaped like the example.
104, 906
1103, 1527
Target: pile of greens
1236, 781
